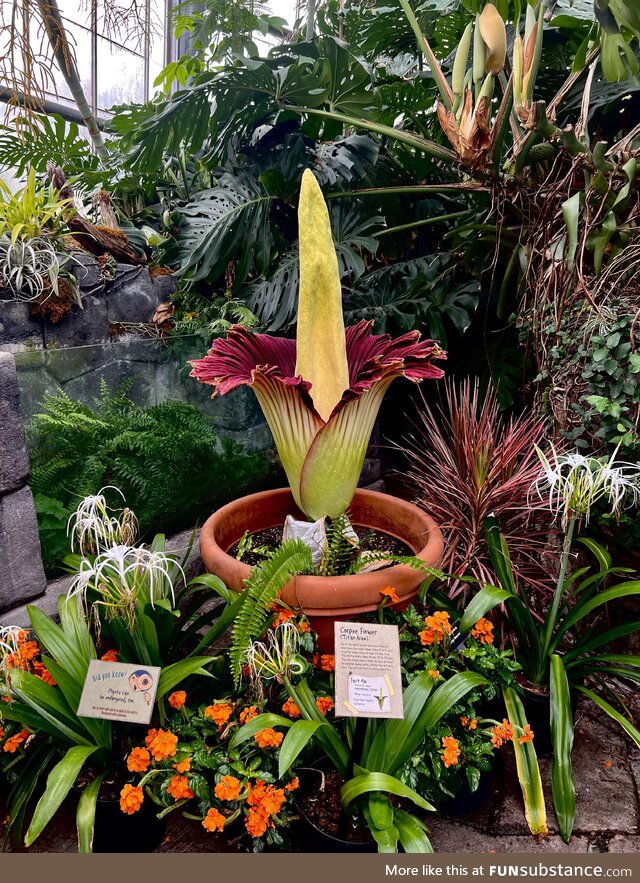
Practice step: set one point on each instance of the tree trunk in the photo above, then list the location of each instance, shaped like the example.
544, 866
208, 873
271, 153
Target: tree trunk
54, 26
311, 19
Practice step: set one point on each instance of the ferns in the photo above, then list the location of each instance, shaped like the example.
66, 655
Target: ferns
261, 590
166, 459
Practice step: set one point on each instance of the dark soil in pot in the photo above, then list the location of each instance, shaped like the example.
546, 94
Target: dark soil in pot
467, 801
537, 707
370, 541
117, 832
327, 829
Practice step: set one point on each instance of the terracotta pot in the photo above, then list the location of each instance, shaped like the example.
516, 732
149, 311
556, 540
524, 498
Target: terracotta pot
325, 599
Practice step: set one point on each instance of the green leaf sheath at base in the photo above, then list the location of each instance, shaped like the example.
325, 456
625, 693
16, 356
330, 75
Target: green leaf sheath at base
527, 766
86, 815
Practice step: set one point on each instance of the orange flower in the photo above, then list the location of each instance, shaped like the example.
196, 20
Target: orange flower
438, 626
228, 788
304, 626
110, 656
183, 766
131, 798
1, 733
291, 709
247, 714
266, 798
451, 752
213, 821
327, 662
527, 735
501, 733
163, 745
433, 673
256, 823
282, 617
151, 735
219, 713
483, 631
469, 724
28, 651
13, 742
268, 738
40, 671
177, 699
325, 704
390, 593
139, 760
179, 789
293, 785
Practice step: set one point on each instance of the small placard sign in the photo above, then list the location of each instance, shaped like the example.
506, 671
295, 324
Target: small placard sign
368, 680
119, 691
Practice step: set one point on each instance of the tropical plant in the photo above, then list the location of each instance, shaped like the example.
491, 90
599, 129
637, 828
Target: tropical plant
64, 745
321, 393
560, 647
467, 463
165, 459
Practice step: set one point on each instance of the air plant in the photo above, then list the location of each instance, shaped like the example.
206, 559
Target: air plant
468, 462
320, 393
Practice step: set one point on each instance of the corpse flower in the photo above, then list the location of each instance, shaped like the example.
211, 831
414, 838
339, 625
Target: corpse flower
320, 393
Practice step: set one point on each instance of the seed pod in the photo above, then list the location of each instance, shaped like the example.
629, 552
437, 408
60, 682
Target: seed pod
494, 35
460, 61
479, 54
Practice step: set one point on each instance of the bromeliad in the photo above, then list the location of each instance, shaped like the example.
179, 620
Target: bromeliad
321, 392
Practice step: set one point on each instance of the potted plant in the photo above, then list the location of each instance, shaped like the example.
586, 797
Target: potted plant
560, 647
320, 395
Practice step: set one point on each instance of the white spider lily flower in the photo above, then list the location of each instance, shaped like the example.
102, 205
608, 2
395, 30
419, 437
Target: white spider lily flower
574, 483
278, 656
10, 636
92, 526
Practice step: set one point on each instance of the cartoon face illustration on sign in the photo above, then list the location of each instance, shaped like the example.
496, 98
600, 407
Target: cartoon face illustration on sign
141, 681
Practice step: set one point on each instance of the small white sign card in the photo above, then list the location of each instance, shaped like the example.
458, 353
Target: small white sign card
368, 680
119, 691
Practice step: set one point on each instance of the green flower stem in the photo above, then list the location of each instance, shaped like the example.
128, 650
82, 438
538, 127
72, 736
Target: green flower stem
557, 598
420, 223
178, 803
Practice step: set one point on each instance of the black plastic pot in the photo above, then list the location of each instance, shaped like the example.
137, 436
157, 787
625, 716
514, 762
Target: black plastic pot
468, 801
314, 838
537, 706
116, 831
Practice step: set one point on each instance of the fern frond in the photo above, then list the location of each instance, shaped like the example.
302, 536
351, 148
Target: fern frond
261, 591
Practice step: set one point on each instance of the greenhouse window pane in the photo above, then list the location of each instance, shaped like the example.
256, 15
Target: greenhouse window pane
120, 75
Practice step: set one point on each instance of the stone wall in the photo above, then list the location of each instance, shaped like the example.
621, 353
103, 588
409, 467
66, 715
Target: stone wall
21, 573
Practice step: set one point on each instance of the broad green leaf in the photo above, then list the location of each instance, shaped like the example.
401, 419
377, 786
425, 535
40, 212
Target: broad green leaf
413, 833
626, 725
584, 607
483, 601
53, 639
86, 815
571, 215
368, 782
386, 838
172, 675
59, 782
261, 722
51, 706
299, 735
564, 792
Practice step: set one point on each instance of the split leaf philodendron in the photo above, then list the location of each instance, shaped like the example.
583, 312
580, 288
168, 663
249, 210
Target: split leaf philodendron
321, 393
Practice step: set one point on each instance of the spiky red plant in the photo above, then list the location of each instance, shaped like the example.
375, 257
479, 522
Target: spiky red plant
469, 462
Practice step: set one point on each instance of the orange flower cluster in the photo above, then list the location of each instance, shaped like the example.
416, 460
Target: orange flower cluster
470, 724
179, 789
433, 673
527, 735
290, 708
183, 766
139, 760
228, 788
265, 801
110, 656
14, 742
438, 626
501, 733
131, 798
451, 754
247, 714
293, 785
282, 617
325, 704
483, 631
161, 743
269, 738
177, 699
327, 662
213, 821
390, 593
24, 657
219, 713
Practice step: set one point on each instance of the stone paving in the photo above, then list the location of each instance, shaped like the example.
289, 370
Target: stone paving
607, 775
